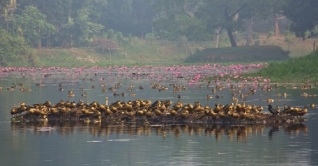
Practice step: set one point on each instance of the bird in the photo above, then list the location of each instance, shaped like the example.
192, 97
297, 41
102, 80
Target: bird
312, 105
272, 110
208, 97
84, 94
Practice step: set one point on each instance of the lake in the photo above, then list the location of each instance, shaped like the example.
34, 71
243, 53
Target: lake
76, 143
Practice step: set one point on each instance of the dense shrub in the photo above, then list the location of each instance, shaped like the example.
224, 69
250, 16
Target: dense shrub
14, 49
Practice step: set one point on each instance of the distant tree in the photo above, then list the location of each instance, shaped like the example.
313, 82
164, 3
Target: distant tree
260, 10
110, 34
13, 49
150, 37
6, 8
33, 25
225, 14
289, 36
84, 29
177, 18
120, 38
303, 15
76, 22
128, 16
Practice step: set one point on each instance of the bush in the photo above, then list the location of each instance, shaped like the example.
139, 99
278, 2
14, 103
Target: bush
14, 49
111, 34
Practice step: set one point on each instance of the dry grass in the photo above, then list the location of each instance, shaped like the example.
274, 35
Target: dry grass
157, 52
298, 47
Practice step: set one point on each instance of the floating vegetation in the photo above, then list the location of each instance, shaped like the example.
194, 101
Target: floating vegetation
148, 112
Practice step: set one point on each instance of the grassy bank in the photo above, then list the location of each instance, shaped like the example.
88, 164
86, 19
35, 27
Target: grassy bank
245, 54
139, 53
300, 69
142, 52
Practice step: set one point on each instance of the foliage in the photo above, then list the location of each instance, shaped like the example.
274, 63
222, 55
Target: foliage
128, 16
150, 37
14, 49
77, 23
33, 24
177, 18
110, 34
294, 70
289, 36
303, 15
198, 20
85, 30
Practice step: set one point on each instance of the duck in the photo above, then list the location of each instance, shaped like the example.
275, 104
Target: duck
44, 119
39, 84
217, 108
300, 112
84, 94
287, 109
87, 120
304, 94
70, 93
259, 108
209, 97
97, 120
25, 90
14, 111
269, 100
132, 94
312, 105
10, 88
303, 111
277, 109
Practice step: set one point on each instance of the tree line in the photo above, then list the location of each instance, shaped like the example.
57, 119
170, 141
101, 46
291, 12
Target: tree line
76, 23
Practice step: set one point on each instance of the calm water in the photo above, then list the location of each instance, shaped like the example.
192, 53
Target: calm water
194, 144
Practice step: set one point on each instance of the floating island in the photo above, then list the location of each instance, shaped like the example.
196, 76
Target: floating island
148, 112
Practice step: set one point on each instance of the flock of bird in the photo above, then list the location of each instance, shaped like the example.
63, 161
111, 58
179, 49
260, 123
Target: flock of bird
147, 111
173, 78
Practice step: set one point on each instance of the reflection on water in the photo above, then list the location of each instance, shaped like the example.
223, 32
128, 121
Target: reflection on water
193, 144
231, 132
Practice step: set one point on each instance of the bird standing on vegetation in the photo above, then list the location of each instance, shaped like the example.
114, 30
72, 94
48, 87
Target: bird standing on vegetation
272, 110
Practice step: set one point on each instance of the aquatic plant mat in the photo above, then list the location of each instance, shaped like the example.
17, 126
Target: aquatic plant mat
148, 112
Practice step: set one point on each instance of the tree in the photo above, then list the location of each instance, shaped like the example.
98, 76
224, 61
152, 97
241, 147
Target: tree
6, 8
68, 17
259, 11
13, 49
33, 25
6, 5
273, 9
177, 18
224, 14
303, 15
128, 16
84, 29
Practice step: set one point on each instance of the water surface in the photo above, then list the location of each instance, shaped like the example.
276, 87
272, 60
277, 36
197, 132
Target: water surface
67, 143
